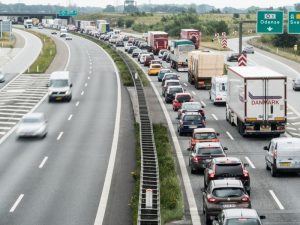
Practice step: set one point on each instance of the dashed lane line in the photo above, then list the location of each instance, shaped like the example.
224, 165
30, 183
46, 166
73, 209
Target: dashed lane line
202, 103
214, 116
194, 93
17, 202
276, 200
250, 162
43, 162
70, 117
229, 135
60, 135
77, 103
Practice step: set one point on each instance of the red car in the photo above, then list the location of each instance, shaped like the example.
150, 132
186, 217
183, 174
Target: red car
180, 98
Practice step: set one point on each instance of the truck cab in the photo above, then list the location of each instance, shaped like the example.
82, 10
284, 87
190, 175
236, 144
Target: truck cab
218, 89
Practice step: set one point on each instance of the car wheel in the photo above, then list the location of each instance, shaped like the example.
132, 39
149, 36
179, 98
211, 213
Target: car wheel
273, 171
207, 219
180, 132
192, 170
267, 167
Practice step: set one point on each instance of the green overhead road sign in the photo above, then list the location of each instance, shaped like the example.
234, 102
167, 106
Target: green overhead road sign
269, 22
294, 22
68, 12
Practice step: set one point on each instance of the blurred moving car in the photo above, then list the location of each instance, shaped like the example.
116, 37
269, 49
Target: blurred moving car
238, 216
223, 194
203, 152
283, 155
203, 135
2, 76
296, 83
32, 125
248, 50
68, 37
154, 69
233, 57
181, 98
190, 121
171, 92
227, 167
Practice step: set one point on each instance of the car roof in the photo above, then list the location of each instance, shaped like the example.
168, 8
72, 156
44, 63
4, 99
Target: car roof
33, 115
177, 86
155, 64
204, 130
191, 103
59, 75
208, 145
227, 183
184, 93
240, 213
286, 140
226, 160
172, 80
190, 113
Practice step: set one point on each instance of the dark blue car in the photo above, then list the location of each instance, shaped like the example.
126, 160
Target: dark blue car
189, 121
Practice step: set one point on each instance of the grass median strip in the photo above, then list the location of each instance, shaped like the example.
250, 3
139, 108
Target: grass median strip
46, 56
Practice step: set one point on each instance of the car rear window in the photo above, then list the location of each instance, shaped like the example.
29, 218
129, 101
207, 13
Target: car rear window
155, 66
229, 169
205, 136
209, 151
191, 117
192, 107
184, 98
175, 90
243, 221
228, 192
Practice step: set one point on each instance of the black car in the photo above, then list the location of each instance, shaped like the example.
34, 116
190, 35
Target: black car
190, 121
233, 57
227, 167
171, 92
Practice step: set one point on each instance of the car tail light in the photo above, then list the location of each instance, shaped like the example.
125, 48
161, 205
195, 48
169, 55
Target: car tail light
218, 98
245, 198
245, 173
274, 155
211, 199
211, 174
196, 158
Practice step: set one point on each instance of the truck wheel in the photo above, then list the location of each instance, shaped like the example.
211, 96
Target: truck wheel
196, 85
273, 171
241, 128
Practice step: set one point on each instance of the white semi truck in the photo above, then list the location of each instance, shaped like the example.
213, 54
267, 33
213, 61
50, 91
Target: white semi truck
28, 23
256, 100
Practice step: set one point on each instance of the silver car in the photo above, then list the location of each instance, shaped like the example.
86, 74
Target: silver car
32, 125
296, 84
2, 77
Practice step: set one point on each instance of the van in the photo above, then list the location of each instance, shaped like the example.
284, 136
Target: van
283, 155
218, 89
60, 86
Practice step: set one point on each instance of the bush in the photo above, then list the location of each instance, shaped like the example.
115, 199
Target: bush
284, 40
129, 22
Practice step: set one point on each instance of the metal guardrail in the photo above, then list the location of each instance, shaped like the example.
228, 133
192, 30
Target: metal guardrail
149, 199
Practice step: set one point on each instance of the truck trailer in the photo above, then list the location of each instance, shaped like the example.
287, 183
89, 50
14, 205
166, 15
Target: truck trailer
192, 35
179, 54
157, 40
202, 66
256, 100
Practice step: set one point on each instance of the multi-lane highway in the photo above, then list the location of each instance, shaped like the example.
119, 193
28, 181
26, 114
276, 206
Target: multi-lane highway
278, 197
81, 171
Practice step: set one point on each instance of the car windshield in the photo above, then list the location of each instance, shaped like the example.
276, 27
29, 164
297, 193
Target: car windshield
31, 120
228, 192
191, 117
155, 66
184, 98
191, 107
58, 83
171, 76
243, 221
205, 136
164, 71
232, 169
209, 151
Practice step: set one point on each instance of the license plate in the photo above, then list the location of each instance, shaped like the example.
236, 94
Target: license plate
265, 129
229, 205
193, 126
287, 164
58, 98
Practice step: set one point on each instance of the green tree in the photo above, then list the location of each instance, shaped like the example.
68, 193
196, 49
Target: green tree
129, 22
120, 22
236, 15
109, 8
285, 40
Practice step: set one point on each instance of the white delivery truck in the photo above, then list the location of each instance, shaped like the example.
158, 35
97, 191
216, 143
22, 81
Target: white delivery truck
28, 23
179, 54
218, 91
256, 100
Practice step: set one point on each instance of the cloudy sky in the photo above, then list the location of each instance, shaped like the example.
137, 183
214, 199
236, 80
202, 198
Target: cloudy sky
216, 3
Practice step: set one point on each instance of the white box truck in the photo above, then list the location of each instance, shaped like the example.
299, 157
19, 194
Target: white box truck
218, 91
28, 23
179, 54
256, 100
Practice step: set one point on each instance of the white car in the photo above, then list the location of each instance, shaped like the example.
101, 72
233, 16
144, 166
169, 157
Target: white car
127, 46
32, 125
161, 52
2, 77
68, 37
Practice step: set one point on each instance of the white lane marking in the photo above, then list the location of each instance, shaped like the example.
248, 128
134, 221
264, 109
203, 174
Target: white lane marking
8, 123
289, 113
60, 135
185, 176
88, 78
70, 117
296, 123
250, 163
290, 128
214, 116
82, 92
2, 133
202, 103
43, 162
69, 56
15, 205
5, 128
293, 117
185, 84
112, 158
276, 200
295, 134
91, 62
229, 135
287, 135
90, 72
294, 110
91, 67
193, 93
85, 84
77, 103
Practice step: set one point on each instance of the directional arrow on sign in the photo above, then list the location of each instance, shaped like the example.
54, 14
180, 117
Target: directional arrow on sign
242, 60
269, 28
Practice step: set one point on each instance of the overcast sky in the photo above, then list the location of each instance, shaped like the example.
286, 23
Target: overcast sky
216, 3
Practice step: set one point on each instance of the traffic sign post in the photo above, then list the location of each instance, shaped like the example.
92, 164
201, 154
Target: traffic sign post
242, 60
224, 43
68, 13
294, 22
269, 22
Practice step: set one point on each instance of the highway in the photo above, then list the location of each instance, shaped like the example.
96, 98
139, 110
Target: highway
277, 198
86, 157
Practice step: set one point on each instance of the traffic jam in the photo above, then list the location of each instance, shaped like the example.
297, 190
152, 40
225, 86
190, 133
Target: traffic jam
243, 107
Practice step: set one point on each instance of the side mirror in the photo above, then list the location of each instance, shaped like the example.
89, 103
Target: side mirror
266, 148
202, 107
203, 189
218, 134
47, 85
262, 217
246, 164
225, 148
188, 149
71, 85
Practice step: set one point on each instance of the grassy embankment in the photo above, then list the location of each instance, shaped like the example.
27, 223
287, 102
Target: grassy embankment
171, 197
46, 56
6, 41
